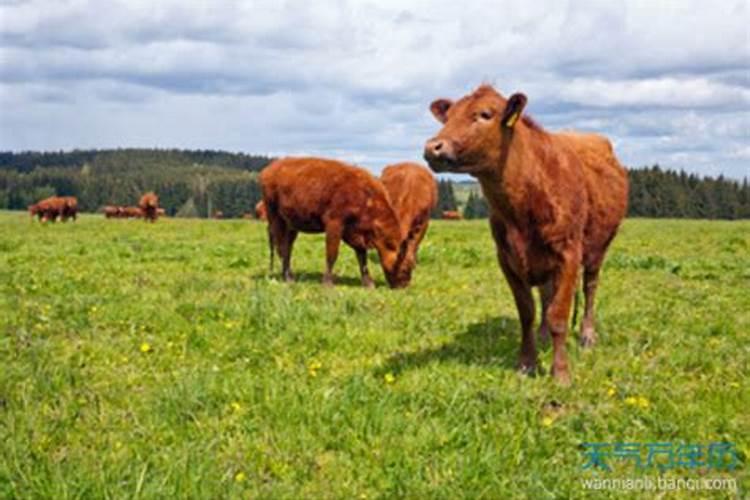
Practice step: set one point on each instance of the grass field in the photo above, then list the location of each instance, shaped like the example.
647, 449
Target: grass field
164, 361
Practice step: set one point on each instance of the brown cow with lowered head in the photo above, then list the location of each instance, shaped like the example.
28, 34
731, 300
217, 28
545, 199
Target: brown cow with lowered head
413, 193
315, 195
556, 202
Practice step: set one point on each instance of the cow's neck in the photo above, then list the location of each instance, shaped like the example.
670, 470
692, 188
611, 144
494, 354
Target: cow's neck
506, 185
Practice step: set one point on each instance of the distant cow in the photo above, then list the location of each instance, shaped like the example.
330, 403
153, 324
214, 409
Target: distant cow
450, 215
111, 211
149, 205
413, 193
69, 208
315, 195
556, 202
218, 214
131, 212
50, 209
260, 211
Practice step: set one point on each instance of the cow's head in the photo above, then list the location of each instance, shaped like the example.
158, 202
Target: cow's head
473, 129
393, 248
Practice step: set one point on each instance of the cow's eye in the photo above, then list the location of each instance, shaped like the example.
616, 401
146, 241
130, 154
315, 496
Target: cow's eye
485, 115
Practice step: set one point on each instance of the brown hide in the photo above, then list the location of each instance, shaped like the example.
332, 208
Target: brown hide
315, 195
556, 201
149, 205
413, 193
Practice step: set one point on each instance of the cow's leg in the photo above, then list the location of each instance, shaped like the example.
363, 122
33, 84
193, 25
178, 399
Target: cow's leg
286, 253
590, 282
364, 272
527, 360
545, 292
333, 240
558, 312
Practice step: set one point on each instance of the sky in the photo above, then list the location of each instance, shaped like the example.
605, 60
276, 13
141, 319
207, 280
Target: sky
667, 81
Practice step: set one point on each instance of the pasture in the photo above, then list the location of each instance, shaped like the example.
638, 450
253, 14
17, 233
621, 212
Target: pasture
162, 360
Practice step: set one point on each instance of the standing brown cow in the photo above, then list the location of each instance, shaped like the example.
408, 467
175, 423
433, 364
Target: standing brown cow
451, 215
315, 195
149, 205
556, 202
69, 208
111, 211
413, 192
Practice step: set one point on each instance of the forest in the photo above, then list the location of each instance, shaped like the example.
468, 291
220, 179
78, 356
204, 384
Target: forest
199, 183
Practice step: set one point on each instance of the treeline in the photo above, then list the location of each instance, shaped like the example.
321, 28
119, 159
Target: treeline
200, 183
661, 194
189, 183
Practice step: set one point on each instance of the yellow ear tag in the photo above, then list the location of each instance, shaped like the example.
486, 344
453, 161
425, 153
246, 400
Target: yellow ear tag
512, 120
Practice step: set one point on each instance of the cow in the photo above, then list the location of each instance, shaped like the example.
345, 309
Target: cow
315, 195
69, 208
49, 209
131, 212
556, 202
111, 211
218, 214
413, 193
451, 215
149, 205
260, 211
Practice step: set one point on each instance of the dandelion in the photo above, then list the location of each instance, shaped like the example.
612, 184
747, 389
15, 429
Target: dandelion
313, 367
611, 392
643, 402
631, 401
145, 347
547, 421
239, 477
389, 378
236, 406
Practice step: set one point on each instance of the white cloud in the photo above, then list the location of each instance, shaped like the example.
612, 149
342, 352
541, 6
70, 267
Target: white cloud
666, 80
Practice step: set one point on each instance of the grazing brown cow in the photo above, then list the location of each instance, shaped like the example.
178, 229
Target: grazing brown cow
413, 192
450, 215
315, 195
49, 209
149, 205
556, 201
111, 211
260, 211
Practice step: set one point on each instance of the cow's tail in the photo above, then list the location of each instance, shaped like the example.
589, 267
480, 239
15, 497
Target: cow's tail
576, 301
270, 248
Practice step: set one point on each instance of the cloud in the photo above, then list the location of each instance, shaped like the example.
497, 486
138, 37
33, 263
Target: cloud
668, 82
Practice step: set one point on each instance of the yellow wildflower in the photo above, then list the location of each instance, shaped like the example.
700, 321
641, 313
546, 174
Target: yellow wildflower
611, 391
236, 406
239, 477
631, 401
643, 402
389, 378
547, 421
145, 347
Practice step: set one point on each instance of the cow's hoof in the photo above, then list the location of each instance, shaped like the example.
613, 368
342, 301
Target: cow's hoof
368, 283
527, 366
328, 282
588, 338
561, 376
289, 278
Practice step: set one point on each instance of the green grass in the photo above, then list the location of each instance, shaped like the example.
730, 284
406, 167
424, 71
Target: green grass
249, 387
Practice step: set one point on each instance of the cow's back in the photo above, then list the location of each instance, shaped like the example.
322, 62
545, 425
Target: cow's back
412, 190
307, 192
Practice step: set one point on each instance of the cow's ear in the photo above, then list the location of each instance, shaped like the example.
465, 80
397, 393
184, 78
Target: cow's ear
440, 109
513, 110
